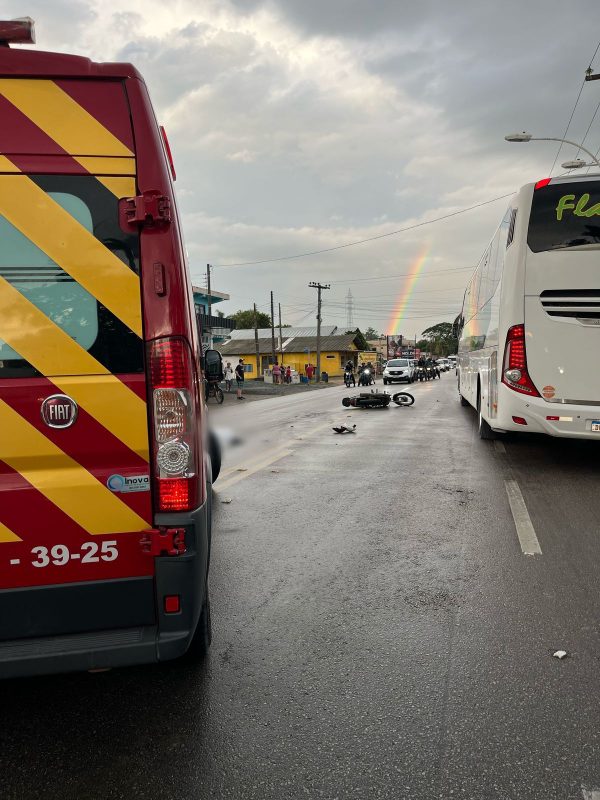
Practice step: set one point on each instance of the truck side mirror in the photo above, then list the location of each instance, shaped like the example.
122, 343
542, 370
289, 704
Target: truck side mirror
213, 365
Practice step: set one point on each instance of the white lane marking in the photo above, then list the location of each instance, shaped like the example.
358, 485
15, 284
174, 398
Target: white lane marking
499, 446
590, 794
251, 470
525, 530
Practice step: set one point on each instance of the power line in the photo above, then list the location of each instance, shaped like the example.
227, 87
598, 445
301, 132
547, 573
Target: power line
564, 136
404, 275
370, 238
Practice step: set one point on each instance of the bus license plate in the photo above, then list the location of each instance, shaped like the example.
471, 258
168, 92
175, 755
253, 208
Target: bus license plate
596, 425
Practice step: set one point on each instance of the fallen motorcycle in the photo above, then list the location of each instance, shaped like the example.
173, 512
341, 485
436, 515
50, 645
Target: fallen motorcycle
403, 399
378, 400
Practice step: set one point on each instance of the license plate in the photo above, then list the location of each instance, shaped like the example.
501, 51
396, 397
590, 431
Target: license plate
596, 425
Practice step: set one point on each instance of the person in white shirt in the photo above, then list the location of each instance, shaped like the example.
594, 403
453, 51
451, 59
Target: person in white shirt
228, 376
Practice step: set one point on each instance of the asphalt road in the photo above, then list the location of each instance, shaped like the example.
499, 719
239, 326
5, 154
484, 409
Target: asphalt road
378, 630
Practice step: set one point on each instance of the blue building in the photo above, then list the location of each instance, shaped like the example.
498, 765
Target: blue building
215, 329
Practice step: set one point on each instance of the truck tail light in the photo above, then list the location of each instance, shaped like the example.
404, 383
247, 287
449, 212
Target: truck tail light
175, 412
514, 370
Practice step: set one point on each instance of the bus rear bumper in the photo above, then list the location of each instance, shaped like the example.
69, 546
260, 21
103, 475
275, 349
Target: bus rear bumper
562, 420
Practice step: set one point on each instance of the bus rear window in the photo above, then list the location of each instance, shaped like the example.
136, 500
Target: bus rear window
565, 215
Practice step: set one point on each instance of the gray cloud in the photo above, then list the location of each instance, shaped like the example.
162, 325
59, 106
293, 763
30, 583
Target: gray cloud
303, 125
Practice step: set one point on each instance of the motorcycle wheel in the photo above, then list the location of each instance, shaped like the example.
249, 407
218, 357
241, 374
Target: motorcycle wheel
403, 399
219, 396
346, 402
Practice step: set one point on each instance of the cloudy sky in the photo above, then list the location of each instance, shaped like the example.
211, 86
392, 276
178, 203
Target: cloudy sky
302, 125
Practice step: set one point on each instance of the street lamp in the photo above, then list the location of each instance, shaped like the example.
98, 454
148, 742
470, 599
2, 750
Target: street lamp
577, 164
527, 137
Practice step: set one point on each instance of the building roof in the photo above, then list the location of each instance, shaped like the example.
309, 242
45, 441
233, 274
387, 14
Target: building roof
216, 297
295, 344
287, 333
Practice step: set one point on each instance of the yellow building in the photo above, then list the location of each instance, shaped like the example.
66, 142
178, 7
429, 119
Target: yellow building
294, 350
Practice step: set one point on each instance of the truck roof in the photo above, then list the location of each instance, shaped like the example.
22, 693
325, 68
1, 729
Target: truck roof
41, 64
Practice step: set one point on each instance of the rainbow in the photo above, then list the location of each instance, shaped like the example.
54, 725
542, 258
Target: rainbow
406, 293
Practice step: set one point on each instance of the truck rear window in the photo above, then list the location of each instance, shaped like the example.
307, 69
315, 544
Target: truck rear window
565, 215
45, 284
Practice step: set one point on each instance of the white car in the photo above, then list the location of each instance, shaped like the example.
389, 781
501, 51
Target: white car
397, 370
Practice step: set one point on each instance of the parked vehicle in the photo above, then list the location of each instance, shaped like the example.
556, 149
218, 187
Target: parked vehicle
398, 370
105, 486
531, 313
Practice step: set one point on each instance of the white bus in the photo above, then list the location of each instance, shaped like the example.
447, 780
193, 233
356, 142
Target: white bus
529, 330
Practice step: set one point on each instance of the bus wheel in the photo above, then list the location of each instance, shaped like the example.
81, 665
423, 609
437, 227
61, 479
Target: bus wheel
485, 431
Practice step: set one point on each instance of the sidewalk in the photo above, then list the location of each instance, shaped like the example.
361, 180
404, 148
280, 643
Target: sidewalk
257, 390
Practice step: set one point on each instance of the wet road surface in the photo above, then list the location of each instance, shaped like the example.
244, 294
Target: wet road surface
378, 630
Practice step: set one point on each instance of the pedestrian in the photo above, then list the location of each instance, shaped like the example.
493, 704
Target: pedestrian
288, 374
310, 372
228, 376
239, 377
276, 372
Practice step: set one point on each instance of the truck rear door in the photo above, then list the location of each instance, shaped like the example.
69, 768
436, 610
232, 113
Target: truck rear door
74, 476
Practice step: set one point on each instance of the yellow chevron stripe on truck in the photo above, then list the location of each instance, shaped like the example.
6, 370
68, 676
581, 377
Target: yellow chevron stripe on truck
6, 535
52, 352
63, 481
42, 220
62, 118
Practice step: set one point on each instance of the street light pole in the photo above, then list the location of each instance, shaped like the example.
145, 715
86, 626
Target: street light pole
527, 137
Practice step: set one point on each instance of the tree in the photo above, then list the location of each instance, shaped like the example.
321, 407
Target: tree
371, 334
441, 338
361, 340
244, 320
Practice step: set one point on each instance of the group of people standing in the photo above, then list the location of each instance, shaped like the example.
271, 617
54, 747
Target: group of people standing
229, 374
281, 373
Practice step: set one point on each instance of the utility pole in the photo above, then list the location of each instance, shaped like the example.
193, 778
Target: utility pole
272, 330
210, 337
256, 345
280, 339
319, 287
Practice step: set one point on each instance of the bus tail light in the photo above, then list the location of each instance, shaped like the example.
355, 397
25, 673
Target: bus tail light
175, 423
514, 370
